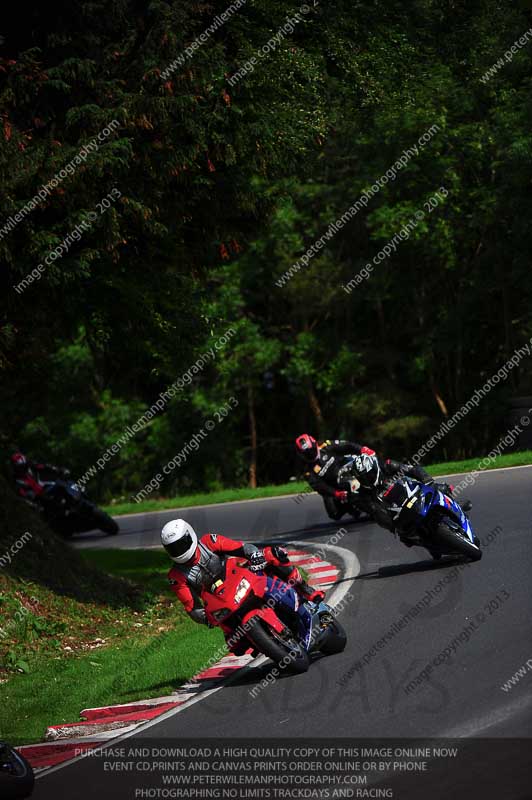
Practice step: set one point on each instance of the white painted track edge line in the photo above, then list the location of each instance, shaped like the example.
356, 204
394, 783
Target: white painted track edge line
211, 505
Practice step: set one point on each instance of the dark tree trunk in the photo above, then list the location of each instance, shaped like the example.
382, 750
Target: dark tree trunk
253, 438
316, 410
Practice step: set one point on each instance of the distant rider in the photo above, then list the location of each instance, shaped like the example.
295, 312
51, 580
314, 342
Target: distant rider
32, 478
199, 563
324, 462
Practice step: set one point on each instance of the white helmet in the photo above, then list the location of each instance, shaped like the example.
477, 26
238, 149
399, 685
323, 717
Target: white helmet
179, 540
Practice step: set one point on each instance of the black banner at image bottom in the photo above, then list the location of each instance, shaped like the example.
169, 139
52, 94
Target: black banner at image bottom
295, 769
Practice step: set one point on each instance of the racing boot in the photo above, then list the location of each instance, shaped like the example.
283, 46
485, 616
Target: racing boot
303, 589
278, 558
309, 592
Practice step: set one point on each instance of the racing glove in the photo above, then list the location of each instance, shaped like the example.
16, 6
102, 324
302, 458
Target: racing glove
257, 561
199, 616
341, 496
280, 554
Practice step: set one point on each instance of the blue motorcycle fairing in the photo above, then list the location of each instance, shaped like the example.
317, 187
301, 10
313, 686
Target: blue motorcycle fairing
432, 497
283, 594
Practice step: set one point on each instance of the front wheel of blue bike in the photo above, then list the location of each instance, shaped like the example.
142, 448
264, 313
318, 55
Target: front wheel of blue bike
453, 542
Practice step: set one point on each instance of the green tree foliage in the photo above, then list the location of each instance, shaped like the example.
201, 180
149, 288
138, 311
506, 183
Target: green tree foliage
223, 187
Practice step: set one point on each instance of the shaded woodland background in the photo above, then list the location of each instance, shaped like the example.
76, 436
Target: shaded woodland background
222, 190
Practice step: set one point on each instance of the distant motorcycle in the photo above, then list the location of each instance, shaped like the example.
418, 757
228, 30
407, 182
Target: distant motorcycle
235, 603
425, 516
16, 775
67, 510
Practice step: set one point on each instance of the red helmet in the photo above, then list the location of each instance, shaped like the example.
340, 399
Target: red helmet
307, 447
19, 462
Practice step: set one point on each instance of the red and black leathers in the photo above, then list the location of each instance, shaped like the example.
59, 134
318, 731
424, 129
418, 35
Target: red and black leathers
204, 569
31, 478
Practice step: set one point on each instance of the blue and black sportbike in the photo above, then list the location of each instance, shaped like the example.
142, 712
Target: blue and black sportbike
426, 516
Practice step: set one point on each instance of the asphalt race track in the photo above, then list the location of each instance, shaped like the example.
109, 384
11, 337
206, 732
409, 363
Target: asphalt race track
460, 698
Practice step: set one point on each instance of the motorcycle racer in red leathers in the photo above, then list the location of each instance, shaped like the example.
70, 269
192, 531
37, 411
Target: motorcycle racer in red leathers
198, 563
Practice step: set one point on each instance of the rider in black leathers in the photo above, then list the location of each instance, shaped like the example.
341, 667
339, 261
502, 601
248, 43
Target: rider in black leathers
325, 462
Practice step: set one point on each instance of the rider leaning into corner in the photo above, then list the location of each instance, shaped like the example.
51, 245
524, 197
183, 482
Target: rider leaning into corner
28, 476
325, 461
199, 563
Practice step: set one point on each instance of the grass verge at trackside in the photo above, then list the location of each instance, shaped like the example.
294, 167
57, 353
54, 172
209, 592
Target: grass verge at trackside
146, 653
232, 495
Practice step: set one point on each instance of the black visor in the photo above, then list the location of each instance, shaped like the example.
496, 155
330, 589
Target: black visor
176, 549
310, 454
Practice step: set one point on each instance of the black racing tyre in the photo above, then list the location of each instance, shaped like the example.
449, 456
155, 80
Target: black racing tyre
336, 639
16, 774
333, 509
286, 653
451, 541
105, 523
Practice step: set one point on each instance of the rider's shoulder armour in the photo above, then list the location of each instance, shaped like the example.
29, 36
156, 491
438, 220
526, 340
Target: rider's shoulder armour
208, 568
